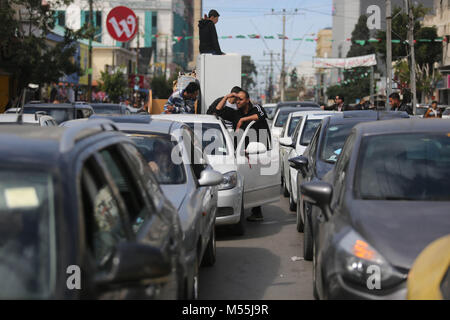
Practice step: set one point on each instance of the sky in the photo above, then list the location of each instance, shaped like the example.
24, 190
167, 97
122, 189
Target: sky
255, 17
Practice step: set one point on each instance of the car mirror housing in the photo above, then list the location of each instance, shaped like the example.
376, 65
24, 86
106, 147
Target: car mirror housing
287, 142
299, 163
256, 148
134, 262
318, 193
210, 177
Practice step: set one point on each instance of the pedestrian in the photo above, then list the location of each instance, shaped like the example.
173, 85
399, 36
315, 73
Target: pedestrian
339, 105
209, 43
433, 111
241, 118
397, 105
231, 102
183, 101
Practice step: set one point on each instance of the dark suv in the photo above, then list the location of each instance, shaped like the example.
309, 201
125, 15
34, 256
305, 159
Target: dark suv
83, 217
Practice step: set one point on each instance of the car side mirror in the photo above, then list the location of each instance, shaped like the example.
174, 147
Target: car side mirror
287, 142
256, 148
318, 193
298, 163
210, 177
134, 262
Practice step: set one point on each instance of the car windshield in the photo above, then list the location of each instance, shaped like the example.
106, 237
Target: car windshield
270, 112
211, 135
292, 125
333, 141
282, 118
308, 131
413, 166
59, 114
107, 109
158, 151
446, 112
27, 244
421, 111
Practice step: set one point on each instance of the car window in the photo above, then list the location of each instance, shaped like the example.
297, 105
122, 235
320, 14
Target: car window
293, 125
59, 114
126, 183
27, 238
312, 147
308, 131
104, 224
162, 156
295, 135
413, 166
282, 118
333, 141
212, 138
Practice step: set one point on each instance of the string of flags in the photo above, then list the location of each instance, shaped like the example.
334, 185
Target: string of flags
280, 36
355, 79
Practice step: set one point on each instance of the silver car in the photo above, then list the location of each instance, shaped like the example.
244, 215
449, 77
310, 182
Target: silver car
186, 178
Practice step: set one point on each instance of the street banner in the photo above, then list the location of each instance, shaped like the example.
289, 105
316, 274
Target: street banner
346, 63
122, 24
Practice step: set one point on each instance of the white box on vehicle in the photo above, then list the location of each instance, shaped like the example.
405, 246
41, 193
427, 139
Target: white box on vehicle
217, 75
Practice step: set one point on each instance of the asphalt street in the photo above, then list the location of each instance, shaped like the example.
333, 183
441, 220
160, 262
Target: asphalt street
264, 264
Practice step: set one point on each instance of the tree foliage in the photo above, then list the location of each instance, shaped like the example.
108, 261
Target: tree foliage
114, 84
248, 73
25, 51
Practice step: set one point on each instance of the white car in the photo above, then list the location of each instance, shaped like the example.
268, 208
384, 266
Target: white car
245, 184
37, 119
296, 145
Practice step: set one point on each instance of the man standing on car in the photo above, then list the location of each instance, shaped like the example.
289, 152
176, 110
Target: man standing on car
241, 118
209, 42
396, 105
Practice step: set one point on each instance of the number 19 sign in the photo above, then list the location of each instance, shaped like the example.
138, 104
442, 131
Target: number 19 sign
122, 24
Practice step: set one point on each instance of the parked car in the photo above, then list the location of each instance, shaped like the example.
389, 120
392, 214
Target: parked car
38, 119
109, 108
60, 112
218, 147
446, 113
296, 104
295, 146
270, 110
281, 116
187, 180
385, 200
81, 203
320, 157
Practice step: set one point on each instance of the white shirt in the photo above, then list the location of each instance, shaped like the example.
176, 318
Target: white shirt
232, 106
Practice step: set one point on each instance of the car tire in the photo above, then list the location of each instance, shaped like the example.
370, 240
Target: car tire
239, 228
209, 257
307, 239
300, 224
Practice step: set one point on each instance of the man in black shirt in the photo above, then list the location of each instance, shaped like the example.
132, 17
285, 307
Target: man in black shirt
241, 118
209, 42
396, 105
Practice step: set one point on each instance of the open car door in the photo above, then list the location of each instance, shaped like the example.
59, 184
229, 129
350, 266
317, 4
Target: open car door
259, 164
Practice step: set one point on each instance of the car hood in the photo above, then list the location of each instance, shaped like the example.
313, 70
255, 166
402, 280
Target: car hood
176, 193
400, 230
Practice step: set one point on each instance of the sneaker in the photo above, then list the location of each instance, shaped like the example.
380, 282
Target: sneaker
255, 218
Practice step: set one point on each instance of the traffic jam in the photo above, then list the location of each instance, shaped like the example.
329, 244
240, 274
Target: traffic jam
103, 199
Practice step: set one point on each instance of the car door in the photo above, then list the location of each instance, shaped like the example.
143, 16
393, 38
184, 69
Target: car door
261, 172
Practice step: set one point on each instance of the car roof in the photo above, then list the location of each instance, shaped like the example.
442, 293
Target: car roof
296, 103
293, 109
12, 118
366, 115
207, 118
316, 116
412, 125
310, 112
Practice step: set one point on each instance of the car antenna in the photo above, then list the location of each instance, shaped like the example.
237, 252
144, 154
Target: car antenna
20, 106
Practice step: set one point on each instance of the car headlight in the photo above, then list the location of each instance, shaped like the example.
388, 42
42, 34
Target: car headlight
229, 181
358, 262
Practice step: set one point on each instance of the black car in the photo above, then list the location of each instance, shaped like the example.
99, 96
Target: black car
320, 157
386, 201
60, 112
83, 217
110, 109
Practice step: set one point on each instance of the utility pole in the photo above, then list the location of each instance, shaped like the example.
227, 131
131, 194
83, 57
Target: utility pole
90, 71
412, 67
283, 54
165, 58
388, 52
137, 50
271, 54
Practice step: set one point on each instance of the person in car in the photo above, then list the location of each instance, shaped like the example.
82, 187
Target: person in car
433, 111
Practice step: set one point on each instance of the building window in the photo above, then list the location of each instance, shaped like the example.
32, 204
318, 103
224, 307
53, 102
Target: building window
60, 18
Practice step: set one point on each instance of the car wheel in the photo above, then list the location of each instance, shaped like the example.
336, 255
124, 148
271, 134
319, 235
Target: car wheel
239, 228
315, 294
292, 205
307, 239
209, 257
300, 224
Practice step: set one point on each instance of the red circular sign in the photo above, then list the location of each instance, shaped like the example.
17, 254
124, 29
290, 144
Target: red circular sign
122, 24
